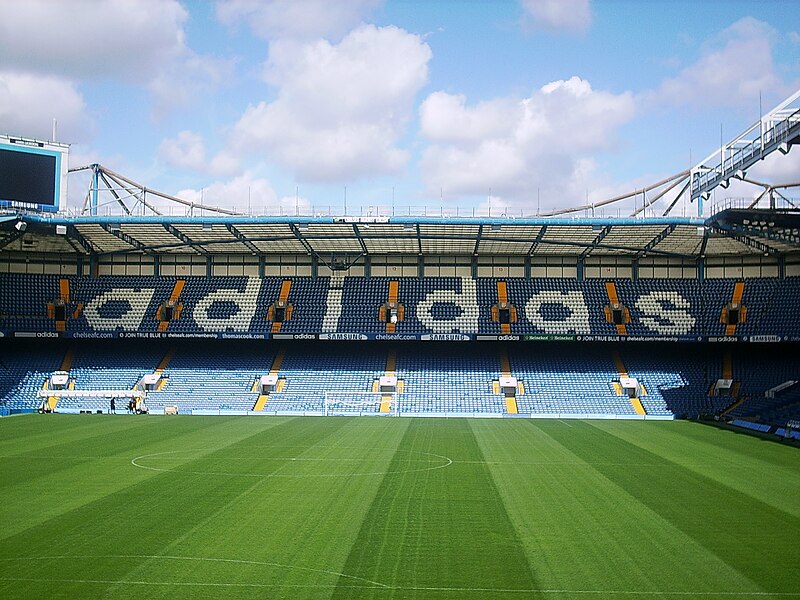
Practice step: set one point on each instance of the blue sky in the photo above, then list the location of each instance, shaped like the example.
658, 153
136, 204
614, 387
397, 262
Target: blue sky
456, 103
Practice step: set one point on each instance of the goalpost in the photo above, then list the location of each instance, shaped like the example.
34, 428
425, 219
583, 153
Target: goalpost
361, 403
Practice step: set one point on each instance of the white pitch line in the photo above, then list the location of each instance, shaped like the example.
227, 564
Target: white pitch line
372, 584
567, 463
62, 457
367, 459
286, 460
183, 583
299, 459
600, 592
196, 558
462, 590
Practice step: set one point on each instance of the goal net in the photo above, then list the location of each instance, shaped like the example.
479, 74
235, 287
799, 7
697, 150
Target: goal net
360, 403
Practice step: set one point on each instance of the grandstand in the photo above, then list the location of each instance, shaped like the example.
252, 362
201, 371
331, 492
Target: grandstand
557, 315
647, 318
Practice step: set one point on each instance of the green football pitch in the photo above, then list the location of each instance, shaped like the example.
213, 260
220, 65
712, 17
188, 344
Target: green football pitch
339, 507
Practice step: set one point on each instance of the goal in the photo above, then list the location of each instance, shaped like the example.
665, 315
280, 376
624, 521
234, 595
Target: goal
361, 403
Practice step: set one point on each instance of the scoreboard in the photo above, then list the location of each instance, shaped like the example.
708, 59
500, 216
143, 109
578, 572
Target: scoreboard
33, 174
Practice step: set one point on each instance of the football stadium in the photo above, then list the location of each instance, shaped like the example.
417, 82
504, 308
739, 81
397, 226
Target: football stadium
201, 402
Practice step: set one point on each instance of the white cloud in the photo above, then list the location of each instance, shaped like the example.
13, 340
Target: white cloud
87, 39
736, 65
186, 150
179, 83
246, 194
224, 163
291, 205
778, 168
565, 15
29, 103
340, 108
120, 40
303, 19
518, 145
238, 193
445, 118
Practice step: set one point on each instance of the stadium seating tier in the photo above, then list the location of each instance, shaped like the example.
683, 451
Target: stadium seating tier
214, 306
554, 379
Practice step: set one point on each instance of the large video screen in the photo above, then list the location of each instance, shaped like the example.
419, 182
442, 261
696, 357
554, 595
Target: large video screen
30, 178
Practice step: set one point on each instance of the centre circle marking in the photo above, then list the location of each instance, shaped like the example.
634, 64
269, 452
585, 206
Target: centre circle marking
445, 462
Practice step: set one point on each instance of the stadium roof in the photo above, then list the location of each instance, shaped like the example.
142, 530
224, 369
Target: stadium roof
735, 231
731, 232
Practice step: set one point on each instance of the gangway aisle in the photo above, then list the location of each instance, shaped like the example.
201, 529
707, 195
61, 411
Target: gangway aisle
66, 365
274, 371
636, 403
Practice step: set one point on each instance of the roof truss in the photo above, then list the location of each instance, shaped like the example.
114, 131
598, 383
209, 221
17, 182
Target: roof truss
242, 238
115, 231
185, 239
656, 240
596, 242
745, 239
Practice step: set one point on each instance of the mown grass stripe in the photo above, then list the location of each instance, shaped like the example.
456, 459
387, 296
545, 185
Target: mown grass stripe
597, 509
157, 506
739, 444
298, 436
308, 518
24, 433
227, 516
581, 530
431, 530
756, 539
768, 472
79, 445
51, 492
